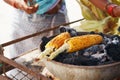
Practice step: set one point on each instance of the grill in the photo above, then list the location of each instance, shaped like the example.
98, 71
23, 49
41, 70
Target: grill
81, 68
21, 72
11, 70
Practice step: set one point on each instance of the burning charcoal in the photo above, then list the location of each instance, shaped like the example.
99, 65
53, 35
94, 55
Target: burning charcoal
113, 36
81, 52
102, 57
98, 55
80, 60
89, 61
115, 40
100, 33
61, 57
97, 52
93, 50
107, 40
119, 28
44, 42
92, 32
76, 59
62, 29
113, 50
105, 53
71, 61
72, 31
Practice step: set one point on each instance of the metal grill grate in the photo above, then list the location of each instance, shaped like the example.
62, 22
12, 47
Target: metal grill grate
25, 76
17, 74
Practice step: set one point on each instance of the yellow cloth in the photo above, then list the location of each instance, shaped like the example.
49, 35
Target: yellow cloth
96, 19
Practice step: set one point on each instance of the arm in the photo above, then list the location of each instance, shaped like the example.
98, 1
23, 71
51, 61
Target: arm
22, 5
105, 5
100, 3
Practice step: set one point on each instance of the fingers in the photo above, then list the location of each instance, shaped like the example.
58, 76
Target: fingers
22, 5
31, 9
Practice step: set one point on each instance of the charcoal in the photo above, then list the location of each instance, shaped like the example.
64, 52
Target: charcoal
113, 51
94, 49
113, 48
113, 36
119, 28
43, 43
61, 56
107, 40
80, 60
105, 53
92, 32
100, 33
72, 31
87, 61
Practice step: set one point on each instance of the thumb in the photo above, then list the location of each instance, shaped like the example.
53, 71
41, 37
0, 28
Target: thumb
25, 3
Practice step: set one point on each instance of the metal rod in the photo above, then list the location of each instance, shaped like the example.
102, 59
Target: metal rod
21, 67
36, 34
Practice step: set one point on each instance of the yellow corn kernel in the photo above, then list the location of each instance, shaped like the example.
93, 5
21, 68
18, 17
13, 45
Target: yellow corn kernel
54, 44
82, 42
77, 43
58, 41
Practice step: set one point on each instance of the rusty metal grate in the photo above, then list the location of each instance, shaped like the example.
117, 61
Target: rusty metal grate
20, 75
17, 74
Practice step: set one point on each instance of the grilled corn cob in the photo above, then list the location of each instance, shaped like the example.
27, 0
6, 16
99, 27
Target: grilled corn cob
54, 44
78, 43
58, 40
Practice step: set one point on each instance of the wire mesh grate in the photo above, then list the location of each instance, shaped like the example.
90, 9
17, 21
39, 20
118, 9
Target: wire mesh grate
17, 74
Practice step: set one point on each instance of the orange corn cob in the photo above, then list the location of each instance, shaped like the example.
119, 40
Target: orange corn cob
54, 44
78, 43
82, 42
58, 41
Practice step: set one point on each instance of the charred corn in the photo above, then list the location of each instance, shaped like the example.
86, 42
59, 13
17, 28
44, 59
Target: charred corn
54, 44
58, 40
77, 43
81, 42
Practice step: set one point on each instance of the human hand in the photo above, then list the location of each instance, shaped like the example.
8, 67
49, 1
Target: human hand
22, 5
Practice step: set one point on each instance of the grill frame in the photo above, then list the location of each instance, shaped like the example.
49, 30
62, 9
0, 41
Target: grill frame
9, 64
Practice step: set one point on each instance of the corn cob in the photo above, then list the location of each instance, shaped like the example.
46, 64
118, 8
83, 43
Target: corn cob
58, 40
78, 43
54, 44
